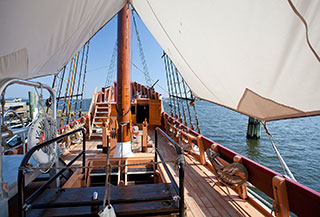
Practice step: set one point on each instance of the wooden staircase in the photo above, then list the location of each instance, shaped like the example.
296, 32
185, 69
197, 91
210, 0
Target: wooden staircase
101, 114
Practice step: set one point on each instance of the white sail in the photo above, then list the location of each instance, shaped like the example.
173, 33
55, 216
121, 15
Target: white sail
257, 57
252, 56
38, 37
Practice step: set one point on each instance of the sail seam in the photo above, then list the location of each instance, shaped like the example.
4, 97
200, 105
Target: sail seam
295, 10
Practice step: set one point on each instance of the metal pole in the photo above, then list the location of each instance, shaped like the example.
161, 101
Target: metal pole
23, 127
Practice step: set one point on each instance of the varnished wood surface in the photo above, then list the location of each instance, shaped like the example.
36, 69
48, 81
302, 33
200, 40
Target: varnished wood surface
127, 200
204, 195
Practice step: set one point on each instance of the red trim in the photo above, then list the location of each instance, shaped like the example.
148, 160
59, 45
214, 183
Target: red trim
302, 200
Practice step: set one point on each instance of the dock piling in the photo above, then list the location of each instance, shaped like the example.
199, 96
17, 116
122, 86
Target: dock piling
253, 130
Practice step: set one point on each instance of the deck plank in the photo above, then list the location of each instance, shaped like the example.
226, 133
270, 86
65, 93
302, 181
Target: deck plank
204, 195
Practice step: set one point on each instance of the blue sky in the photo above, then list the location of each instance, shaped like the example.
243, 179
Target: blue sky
100, 52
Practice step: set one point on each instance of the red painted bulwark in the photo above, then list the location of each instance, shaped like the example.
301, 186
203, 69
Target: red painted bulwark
303, 201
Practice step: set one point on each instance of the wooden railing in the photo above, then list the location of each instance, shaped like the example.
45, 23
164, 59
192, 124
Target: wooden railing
105, 95
91, 112
144, 91
261, 177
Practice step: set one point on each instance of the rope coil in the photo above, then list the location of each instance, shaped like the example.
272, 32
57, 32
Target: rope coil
233, 174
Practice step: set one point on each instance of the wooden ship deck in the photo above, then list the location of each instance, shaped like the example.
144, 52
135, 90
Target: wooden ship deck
204, 195
148, 181
153, 163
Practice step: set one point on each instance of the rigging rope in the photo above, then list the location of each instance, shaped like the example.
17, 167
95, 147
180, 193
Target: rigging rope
66, 92
176, 98
112, 68
153, 81
141, 53
73, 79
79, 81
70, 107
84, 78
283, 164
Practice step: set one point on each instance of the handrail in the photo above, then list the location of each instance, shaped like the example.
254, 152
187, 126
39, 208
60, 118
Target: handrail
23, 139
25, 204
92, 105
181, 168
4, 84
92, 100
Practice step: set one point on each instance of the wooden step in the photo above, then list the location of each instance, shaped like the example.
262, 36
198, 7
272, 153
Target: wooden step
97, 129
101, 114
102, 107
97, 123
100, 119
102, 110
96, 136
102, 104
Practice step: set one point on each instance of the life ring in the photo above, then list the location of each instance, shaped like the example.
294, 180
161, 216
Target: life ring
43, 129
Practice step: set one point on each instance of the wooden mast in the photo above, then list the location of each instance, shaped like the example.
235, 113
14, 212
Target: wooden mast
123, 78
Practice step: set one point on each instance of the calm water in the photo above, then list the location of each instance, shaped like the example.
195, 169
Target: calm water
298, 140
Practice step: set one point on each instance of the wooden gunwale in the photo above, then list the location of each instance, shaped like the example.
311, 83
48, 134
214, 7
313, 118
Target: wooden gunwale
261, 176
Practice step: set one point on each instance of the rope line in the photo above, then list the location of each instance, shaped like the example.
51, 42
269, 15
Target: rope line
283, 164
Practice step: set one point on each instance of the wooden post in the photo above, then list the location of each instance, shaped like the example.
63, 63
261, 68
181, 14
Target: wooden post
123, 106
201, 150
253, 130
88, 124
215, 148
281, 203
123, 75
242, 189
33, 103
105, 137
145, 136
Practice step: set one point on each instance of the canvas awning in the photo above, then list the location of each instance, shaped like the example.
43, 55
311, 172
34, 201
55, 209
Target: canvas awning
39, 37
257, 57
251, 56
